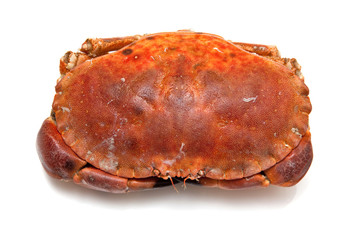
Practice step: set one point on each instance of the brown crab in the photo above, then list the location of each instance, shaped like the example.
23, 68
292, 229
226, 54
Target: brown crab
146, 111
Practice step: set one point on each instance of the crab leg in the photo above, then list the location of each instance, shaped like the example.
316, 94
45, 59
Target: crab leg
93, 48
100, 46
98, 180
257, 180
259, 49
71, 60
273, 53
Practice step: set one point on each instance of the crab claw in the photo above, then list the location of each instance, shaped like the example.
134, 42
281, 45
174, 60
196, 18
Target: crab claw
293, 168
59, 161
286, 173
57, 158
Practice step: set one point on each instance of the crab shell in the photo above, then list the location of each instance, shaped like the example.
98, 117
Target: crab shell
145, 111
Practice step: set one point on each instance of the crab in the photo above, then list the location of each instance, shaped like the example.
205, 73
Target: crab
142, 112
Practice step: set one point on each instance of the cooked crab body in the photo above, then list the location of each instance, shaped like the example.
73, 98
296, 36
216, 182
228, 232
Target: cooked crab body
183, 105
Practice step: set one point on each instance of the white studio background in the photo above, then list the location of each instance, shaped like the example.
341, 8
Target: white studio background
322, 35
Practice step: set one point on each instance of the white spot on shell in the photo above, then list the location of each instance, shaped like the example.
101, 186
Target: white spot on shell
250, 99
92, 158
65, 109
122, 79
215, 171
180, 155
122, 121
152, 58
111, 142
291, 164
296, 131
215, 48
108, 164
169, 162
181, 149
110, 155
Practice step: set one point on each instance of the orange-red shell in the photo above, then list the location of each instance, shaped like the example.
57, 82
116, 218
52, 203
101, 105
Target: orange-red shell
182, 104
